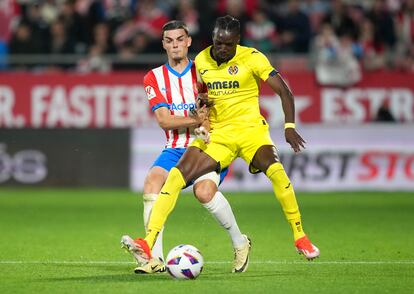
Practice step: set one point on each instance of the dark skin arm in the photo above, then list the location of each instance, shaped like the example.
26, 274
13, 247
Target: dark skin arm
280, 87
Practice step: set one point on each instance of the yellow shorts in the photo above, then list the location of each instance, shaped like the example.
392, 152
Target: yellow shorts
228, 143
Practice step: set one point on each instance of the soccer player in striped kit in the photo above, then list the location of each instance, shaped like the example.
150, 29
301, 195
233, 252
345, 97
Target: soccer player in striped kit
172, 92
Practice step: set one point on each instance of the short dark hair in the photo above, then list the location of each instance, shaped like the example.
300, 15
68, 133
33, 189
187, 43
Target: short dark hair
227, 23
174, 25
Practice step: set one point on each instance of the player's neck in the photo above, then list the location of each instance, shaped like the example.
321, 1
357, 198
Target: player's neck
178, 65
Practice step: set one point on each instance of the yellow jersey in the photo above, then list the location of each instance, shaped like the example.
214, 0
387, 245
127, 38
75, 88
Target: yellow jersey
234, 86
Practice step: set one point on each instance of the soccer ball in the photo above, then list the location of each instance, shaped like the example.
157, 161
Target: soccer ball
184, 262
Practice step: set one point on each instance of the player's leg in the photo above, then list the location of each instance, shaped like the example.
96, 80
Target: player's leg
258, 150
206, 191
192, 164
266, 160
153, 183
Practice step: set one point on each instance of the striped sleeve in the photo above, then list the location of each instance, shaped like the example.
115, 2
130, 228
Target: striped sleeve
155, 97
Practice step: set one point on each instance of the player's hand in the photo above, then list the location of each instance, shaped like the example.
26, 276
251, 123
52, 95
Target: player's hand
294, 139
201, 114
203, 134
202, 99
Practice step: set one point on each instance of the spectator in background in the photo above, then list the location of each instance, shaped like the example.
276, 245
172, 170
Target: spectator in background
22, 41
383, 24
260, 32
75, 26
130, 49
40, 28
150, 19
405, 37
335, 63
373, 49
186, 12
235, 8
315, 10
101, 45
384, 113
60, 42
295, 31
102, 38
340, 21
117, 12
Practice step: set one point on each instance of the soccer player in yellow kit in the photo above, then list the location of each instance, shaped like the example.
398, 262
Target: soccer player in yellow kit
232, 74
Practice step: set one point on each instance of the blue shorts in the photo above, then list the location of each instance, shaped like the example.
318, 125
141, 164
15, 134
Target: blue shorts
169, 158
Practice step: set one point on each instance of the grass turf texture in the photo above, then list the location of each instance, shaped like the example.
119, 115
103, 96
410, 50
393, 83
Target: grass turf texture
67, 241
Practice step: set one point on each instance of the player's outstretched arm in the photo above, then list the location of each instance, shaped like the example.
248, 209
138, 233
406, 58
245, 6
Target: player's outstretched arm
288, 104
167, 121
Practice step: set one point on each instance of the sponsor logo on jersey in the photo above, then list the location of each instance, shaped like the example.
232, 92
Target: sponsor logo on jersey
203, 71
150, 92
223, 85
182, 106
233, 69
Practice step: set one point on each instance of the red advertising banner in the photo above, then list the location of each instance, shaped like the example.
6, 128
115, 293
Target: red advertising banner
118, 100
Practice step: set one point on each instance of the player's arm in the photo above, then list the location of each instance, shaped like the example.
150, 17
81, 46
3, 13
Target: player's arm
160, 107
203, 131
167, 121
276, 82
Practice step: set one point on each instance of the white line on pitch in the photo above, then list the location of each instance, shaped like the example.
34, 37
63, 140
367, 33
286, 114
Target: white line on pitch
216, 262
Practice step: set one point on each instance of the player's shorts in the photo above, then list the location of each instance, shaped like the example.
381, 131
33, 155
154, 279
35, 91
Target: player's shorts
169, 158
228, 143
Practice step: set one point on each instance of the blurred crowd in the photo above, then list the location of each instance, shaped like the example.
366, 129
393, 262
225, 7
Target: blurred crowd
372, 34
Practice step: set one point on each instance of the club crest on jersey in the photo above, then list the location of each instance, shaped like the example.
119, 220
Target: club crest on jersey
233, 69
150, 92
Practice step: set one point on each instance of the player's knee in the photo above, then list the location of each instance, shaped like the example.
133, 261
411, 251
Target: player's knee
153, 183
205, 190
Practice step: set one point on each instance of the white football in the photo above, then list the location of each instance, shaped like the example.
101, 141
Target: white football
184, 262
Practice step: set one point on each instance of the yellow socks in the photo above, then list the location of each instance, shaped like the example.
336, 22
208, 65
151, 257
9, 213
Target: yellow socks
284, 193
164, 204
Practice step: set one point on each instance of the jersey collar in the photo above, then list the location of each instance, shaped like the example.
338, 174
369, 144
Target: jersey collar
177, 74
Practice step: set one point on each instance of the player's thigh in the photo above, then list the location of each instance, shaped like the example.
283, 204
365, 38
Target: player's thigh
252, 141
221, 147
195, 163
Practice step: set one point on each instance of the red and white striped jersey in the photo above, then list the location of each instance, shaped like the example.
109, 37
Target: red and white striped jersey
177, 91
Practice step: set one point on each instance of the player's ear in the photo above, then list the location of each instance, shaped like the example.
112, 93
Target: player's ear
189, 41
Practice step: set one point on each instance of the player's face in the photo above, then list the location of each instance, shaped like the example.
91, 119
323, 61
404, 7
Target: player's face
224, 45
176, 43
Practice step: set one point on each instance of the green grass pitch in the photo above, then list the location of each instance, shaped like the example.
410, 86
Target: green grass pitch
67, 241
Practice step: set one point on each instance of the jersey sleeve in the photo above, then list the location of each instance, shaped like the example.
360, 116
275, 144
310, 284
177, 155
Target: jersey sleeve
154, 95
260, 65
